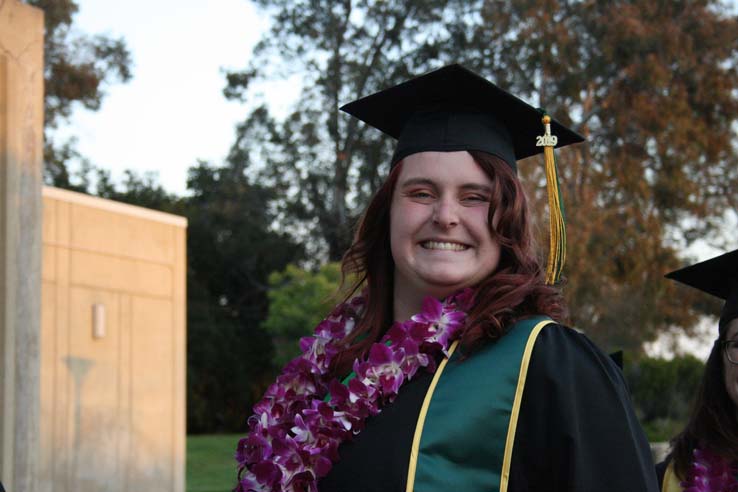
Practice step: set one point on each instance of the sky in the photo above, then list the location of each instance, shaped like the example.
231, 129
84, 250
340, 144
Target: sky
173, 113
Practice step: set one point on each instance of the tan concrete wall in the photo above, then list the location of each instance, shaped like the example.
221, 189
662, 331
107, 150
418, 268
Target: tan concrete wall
21, 149
112, 408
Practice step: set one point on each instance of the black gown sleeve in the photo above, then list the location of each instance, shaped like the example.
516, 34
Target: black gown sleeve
577, 431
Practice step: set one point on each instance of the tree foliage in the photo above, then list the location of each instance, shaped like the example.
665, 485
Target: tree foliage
298, 300
77, 68
663, 393
231, 251
652, 85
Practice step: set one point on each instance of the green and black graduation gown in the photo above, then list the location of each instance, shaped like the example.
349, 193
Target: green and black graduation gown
575, 429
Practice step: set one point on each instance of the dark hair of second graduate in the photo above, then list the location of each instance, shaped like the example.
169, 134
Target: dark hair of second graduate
712, 422
514, 290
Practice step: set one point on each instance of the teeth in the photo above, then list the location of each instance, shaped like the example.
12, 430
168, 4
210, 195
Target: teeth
445, 246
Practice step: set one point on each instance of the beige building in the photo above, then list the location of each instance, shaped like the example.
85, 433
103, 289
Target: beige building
112, 347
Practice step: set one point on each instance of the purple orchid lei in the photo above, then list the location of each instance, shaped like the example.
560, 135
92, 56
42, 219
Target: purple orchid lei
710, 473
294, 433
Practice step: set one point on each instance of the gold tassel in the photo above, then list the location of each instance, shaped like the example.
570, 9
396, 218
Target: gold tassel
557, 225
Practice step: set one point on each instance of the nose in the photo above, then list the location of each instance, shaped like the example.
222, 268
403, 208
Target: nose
446, 213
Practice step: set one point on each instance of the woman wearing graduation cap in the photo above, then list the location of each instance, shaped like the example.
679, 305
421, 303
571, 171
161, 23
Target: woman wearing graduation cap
704, 457
446, 369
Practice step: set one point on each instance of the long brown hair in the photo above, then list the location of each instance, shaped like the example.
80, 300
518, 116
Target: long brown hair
712, 423
516, 289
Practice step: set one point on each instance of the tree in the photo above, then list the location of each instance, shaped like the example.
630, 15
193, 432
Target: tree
298, 300
76, 70
142, 190
232, 250
652, 85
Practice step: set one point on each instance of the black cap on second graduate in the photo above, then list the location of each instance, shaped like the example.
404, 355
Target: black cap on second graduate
453, 109
717, 276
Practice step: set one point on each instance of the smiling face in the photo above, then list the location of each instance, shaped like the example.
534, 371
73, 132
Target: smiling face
439, 232
730, 371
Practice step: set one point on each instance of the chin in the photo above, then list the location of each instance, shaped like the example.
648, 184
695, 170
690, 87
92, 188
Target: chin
442, 287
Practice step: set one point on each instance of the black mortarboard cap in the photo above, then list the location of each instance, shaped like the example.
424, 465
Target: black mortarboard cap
452, 109
717, 276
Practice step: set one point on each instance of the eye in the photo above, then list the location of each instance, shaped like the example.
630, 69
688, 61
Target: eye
475, 198
420, 194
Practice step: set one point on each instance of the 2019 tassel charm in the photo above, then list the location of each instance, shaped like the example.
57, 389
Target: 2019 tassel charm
557, 224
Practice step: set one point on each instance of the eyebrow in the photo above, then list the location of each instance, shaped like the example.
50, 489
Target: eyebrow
430, 182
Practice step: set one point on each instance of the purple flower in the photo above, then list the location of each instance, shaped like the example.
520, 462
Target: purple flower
383, 369
397, 334
322, 466
303, 482
263, 477
710, 473
269, 412
432, 311
300, 383
414, 359
320, 432
302, 431
254, 448
318, 351
328, 414
339, 393
443, 322
356, 401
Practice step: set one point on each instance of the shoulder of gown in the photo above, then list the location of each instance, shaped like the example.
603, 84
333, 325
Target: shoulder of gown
577, 430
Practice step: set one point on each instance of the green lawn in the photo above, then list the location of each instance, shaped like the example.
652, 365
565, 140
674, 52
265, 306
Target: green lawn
211, 466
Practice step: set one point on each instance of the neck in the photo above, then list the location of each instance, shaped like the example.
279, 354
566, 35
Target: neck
405, 304
407, 300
